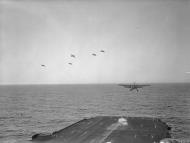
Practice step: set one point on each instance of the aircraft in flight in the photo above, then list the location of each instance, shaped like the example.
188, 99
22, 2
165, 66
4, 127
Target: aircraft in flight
94, 54
102, 51
70, 63
73, 56
133, 86
43, 65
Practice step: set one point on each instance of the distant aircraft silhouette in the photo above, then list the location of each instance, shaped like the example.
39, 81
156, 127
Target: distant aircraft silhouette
73, 56
133, 86
102, 51
70, 63
43, 66
94, 54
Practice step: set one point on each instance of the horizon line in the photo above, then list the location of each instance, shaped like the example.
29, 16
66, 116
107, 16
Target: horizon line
90, 83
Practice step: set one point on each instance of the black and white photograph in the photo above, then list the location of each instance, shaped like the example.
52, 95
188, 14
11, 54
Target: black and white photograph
94, 71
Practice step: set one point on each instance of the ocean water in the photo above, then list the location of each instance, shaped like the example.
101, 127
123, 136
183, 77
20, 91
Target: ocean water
29, 109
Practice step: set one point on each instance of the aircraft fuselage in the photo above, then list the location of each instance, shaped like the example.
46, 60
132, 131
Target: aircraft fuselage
133, 87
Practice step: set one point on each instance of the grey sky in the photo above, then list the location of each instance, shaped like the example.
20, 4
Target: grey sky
144, 41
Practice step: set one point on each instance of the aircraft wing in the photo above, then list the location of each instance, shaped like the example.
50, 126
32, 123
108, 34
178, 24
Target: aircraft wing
125, 85
141, 85
136, 85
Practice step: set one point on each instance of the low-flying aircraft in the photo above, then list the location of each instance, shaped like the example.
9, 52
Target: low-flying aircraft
133, 86
43, 65
73, 56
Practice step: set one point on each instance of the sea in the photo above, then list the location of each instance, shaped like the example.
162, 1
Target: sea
29, 109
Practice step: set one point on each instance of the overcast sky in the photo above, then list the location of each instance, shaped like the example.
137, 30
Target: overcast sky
144, 41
